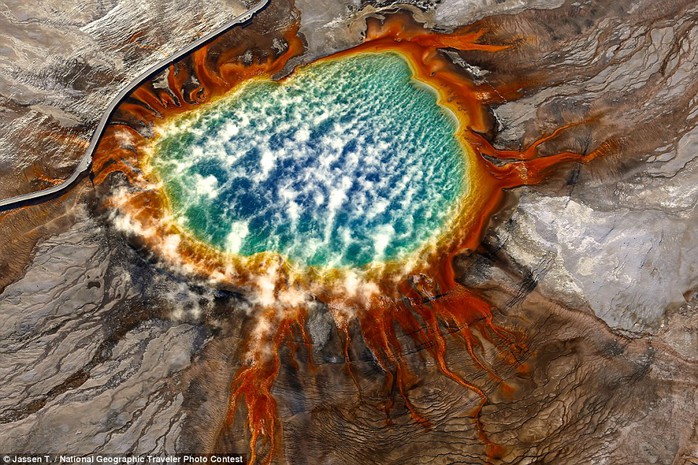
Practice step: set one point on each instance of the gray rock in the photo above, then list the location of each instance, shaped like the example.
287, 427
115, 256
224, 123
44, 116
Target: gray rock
61, 63
105, 349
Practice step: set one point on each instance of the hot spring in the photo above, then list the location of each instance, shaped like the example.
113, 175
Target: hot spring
346, 162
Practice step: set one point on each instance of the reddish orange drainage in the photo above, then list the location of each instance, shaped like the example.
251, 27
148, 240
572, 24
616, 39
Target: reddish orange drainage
415, 296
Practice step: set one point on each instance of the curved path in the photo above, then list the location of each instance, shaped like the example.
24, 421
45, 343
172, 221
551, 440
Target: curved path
86, 160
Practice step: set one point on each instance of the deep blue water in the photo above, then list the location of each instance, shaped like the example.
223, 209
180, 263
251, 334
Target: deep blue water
346, 162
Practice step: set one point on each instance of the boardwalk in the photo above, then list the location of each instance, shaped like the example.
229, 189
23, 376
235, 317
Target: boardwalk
86, 161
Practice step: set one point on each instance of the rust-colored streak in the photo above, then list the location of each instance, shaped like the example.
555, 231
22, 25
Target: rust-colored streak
417, 299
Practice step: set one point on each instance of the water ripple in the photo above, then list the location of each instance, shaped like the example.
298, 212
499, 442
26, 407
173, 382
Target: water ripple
347, 162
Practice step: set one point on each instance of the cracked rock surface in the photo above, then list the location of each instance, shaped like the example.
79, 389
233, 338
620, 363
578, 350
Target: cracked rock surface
83, 362
61, 63
104, 350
